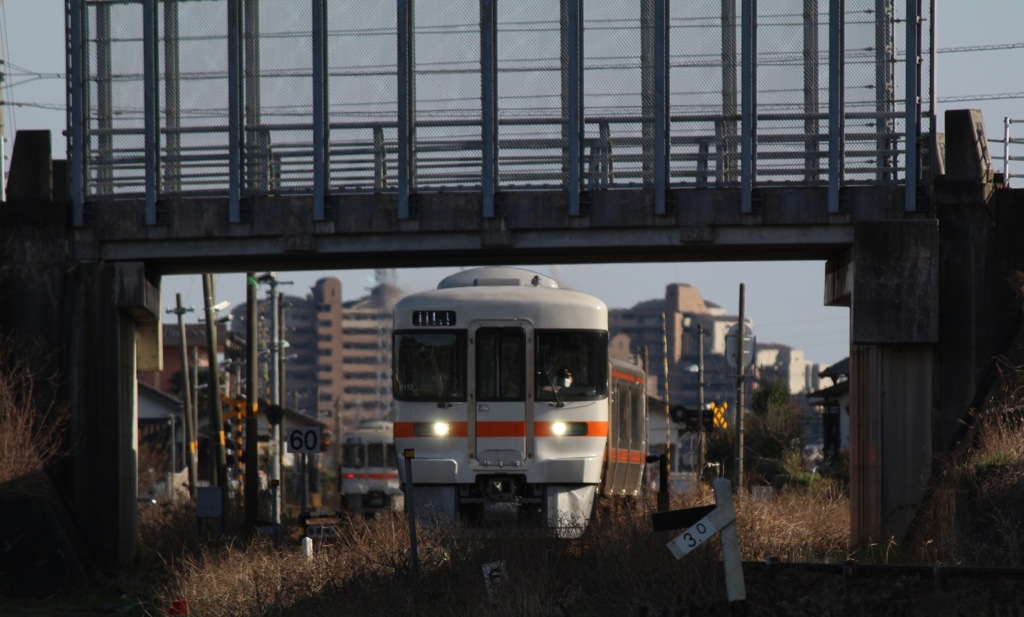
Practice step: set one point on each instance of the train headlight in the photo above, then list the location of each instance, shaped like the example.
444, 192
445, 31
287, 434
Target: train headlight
432, 429
562, 429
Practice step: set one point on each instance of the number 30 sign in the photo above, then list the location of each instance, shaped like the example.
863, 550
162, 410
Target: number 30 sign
304, 439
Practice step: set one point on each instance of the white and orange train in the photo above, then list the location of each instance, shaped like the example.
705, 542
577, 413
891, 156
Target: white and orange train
368, 474
509, 405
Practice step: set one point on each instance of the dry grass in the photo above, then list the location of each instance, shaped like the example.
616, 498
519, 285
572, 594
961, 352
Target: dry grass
619, 566
32, 422
975, 513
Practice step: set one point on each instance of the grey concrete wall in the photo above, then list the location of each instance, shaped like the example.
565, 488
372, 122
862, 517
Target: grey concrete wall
894, 327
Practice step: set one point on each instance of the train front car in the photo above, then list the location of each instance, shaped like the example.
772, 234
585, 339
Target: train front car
501, 387
368, 474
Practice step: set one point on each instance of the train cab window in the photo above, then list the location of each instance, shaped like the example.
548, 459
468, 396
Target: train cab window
500, 364
582, 353
353, 455
375, 454
430, 366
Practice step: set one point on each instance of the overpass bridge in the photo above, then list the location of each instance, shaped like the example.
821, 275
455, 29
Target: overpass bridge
234, 135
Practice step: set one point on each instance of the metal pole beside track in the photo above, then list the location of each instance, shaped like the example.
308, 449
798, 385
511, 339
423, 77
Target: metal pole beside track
410, 510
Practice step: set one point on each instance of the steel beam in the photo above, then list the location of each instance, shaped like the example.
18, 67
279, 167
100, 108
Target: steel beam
572, 99
235, 140
661, 106
76, 108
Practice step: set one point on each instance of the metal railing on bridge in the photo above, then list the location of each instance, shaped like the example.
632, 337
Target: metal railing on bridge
238, 98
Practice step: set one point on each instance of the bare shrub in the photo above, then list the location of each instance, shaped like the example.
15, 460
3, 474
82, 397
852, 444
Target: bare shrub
32, 421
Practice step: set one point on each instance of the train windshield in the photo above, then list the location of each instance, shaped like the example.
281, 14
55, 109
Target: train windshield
430, 366
360, 455
571, 364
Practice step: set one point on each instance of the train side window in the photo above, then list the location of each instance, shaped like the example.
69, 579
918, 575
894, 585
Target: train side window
500, 364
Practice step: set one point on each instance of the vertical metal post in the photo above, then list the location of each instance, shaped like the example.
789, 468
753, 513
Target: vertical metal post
104, 99
321, 124
748, 111
235, 141
732, 560
256, 149
932, 97
1007, 121
572, 98
213, 392
172, 99
700, 400
741, 370
489, 102
913, 101
410, 511
647, 90
664, 376
663, 483
151, 105
252, 471
836, 101
727, 159
190, 428
406, 105
275, 399
884, 89
811, 124
661, 120
77, 113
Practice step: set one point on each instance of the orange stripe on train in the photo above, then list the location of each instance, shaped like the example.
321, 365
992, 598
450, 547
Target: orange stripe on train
498, 429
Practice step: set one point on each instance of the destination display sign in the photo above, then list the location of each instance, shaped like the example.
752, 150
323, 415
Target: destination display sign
433, 318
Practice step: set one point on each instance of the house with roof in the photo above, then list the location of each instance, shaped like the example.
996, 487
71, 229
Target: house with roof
833, 403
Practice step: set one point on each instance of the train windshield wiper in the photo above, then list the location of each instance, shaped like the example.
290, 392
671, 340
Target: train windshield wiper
554, 388
443, 386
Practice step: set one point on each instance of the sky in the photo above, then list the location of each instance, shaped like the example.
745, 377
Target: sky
784, 299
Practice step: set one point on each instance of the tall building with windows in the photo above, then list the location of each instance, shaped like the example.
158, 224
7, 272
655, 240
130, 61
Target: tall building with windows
311, 348
366, 328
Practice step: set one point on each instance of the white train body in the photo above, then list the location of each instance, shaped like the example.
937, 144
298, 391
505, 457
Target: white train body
496, 435
368, 472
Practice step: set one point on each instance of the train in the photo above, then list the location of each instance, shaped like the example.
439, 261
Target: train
507, 406
368, 471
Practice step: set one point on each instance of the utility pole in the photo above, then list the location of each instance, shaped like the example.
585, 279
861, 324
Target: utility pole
700, 400
276, 391
213, 395
740, 402
252, 478
190, 424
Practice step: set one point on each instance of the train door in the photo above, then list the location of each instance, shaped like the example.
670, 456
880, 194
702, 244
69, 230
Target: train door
499, 413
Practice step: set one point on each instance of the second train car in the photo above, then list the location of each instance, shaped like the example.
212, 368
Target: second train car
508, 404
368, 474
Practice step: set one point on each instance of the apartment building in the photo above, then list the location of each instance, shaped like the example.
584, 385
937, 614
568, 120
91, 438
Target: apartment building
366, 328
311, 347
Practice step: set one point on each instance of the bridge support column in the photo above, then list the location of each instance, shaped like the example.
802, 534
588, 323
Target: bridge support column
891, 275
112, 314
101, 323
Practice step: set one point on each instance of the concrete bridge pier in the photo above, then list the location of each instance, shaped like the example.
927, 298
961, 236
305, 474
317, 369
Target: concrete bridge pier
889, 278
98, 323
112, 331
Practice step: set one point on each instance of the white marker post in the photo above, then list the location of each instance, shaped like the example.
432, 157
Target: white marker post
720, 520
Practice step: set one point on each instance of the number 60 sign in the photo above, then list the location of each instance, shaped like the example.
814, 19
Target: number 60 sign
304, 439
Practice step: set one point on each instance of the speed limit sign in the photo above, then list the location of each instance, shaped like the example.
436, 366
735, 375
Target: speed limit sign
304, 439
